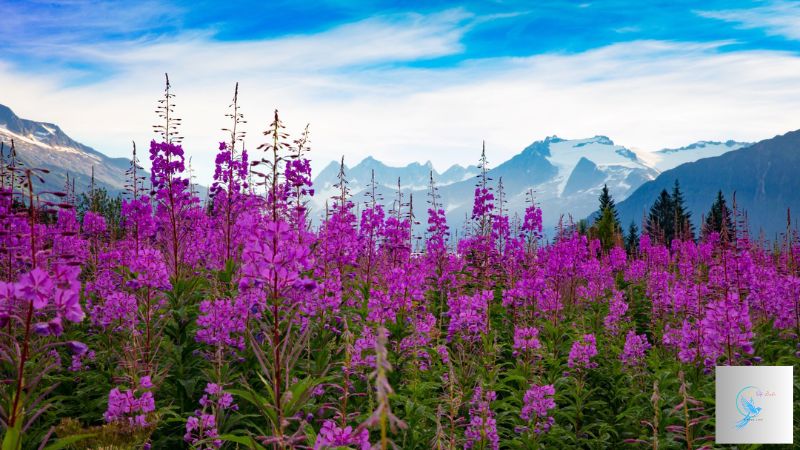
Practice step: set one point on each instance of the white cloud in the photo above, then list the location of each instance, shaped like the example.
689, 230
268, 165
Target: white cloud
779, 18
346, 83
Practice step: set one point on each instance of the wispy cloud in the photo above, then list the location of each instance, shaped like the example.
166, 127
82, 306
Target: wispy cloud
44, 23
354, 84
778, 18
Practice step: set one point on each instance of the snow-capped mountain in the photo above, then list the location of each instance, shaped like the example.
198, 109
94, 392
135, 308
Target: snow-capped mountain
413, 177
669, 158
45, 145
565, 176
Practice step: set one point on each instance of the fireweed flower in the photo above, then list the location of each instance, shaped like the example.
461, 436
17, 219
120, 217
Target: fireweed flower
35, 286
538, 400
150, 270
55, 296
444, 354
582, 352
201, 428
7, 301
127, 406
482, 428
118, 310
532, 223
416, 344
201, 432
438, 232
137, 217
636, 345
616, 311
364, 349
94, 224
636, 271
68, 245
271, 254
483, 203
222, 323
332, 436
468, 316
230, 172
727, 330
526, 339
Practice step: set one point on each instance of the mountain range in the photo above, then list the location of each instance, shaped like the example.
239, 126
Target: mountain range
565, 176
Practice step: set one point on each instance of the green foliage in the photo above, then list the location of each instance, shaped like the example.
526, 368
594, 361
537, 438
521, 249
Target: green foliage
719, 217
118, 436
632, 239
607, 228
682, 216
607, 202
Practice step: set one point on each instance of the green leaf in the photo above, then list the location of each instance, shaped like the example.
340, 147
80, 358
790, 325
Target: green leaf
243, 440
69, 440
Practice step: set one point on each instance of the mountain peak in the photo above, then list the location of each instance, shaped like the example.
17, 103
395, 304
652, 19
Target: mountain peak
45, 145
604, 140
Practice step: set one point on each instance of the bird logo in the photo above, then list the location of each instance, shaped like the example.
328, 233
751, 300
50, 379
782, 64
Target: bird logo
746, 406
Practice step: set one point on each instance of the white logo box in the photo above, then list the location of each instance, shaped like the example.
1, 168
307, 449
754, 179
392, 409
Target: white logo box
754, 404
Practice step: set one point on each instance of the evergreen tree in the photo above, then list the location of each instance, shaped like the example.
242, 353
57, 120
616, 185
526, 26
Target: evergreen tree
607, 229
607, 202
632, 239
661, 220
684, 229
719, 217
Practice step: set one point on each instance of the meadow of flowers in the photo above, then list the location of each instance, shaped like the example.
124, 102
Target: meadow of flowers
234, 322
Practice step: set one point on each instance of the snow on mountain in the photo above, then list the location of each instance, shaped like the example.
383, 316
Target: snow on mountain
45, 145
413, 177
565, 175
669, 158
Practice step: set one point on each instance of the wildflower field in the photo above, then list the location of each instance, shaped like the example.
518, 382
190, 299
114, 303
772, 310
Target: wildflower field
165, 320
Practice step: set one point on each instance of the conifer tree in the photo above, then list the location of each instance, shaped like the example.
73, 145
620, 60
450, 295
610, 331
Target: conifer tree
661, 220
632, 239
684, 229
607, 228
607, 202
719, 217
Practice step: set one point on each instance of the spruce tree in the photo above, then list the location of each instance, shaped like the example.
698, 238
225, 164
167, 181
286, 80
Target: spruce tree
606, 229
632, 239
684, 229
660, 221
719, 217
607, 202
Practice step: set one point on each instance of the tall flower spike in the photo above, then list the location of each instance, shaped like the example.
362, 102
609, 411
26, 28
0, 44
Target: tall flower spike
237, 135
166, 110
484, 199
135, 183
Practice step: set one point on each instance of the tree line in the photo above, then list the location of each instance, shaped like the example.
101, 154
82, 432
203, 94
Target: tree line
668, 219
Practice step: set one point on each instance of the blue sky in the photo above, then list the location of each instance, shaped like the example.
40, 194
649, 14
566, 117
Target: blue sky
405, 82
